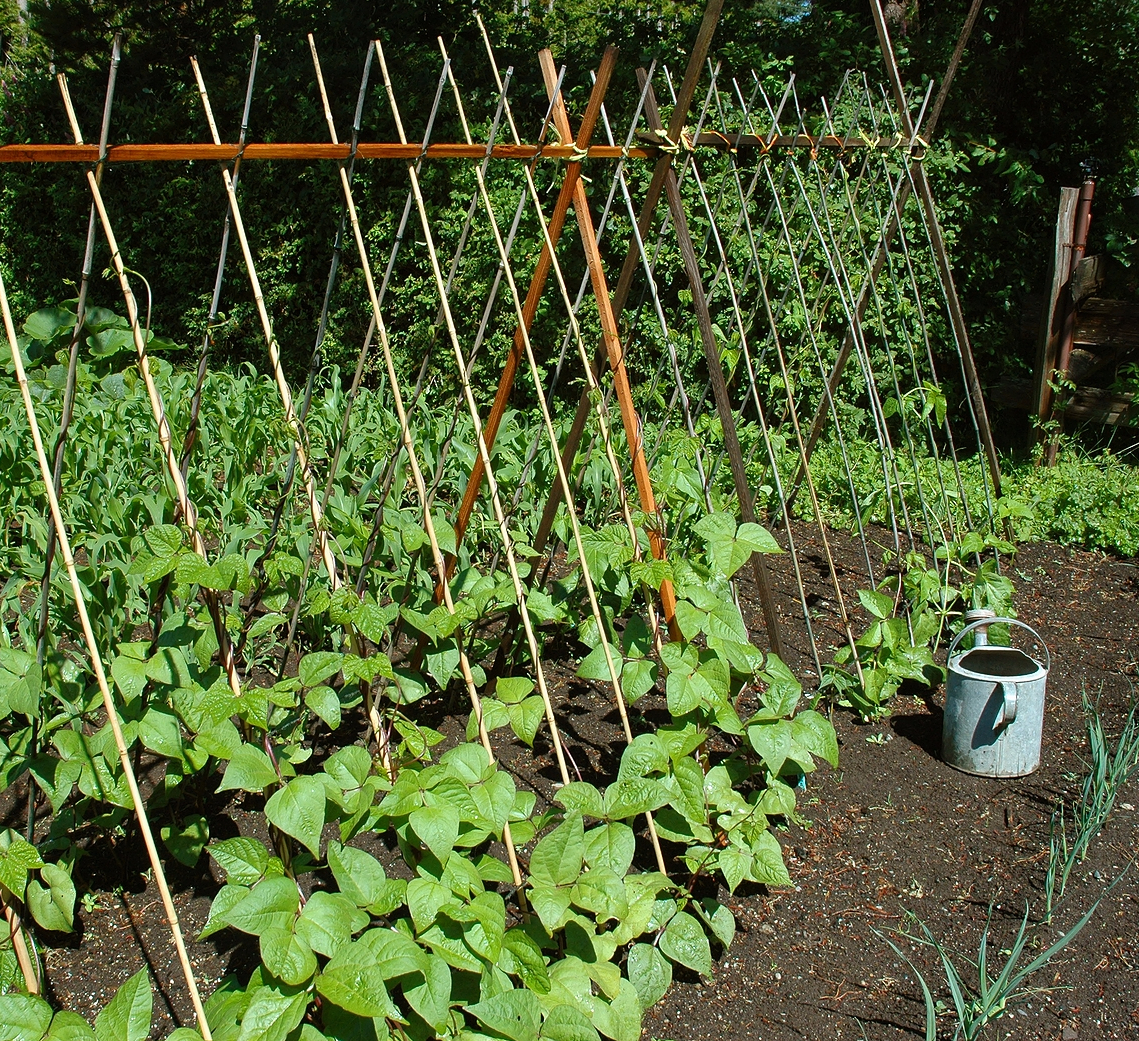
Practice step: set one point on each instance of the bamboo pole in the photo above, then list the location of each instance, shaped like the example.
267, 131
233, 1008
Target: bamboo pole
614, 353
17, 933
67, 411
883, 244
97, 661
571, 177
223, 253
645, 218
551, 435
719, 385
417, 477
574, 330
283, 390
484, 451
158, 409
941, 255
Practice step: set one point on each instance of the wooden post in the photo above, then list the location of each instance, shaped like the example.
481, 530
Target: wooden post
615, 355
1068, 302
644, 219
1052, 314
571, 180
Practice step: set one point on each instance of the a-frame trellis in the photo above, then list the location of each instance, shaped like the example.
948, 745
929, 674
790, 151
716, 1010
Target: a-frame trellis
798, 256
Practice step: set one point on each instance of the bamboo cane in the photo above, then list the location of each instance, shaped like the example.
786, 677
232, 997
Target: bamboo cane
97, 661
18, 936
417, 476
68, 408
158, 408
563, 479
283, 390
484, 452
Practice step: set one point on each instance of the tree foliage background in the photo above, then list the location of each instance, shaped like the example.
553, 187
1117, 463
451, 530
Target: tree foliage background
1045, 96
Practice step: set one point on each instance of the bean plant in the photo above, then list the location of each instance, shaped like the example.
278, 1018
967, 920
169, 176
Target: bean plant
445, 943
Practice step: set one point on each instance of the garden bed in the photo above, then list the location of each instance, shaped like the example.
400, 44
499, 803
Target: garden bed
893, 833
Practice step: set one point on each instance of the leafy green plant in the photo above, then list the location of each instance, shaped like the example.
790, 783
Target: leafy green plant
1108, 770
588, 940
977, 1006
912, 614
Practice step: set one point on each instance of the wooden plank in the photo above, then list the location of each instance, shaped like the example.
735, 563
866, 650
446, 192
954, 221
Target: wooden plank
1108, 323
1088, 404
1051, 320
1100, 323
1088, 278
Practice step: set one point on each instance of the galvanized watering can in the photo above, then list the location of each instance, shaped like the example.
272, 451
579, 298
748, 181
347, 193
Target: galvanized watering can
994, 704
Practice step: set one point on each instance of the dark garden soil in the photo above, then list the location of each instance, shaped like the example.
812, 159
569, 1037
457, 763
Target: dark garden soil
893, 836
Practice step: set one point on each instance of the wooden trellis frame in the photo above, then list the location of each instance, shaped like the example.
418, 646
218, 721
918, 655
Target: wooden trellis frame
674, 151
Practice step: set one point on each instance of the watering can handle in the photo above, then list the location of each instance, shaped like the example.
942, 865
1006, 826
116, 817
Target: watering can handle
1002, 621
1009, 691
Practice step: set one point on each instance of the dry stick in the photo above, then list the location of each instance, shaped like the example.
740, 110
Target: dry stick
421, 488
562, 123
188, 510
484, 452
69, 404
285, 393
719, 385
93, 649
648, 208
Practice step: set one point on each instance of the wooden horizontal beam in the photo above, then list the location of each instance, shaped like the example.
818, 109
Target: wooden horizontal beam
1087, 404
650, 149
809, 141
1100, 323
157, 153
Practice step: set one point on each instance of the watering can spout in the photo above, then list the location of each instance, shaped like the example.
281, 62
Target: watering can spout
981, 617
